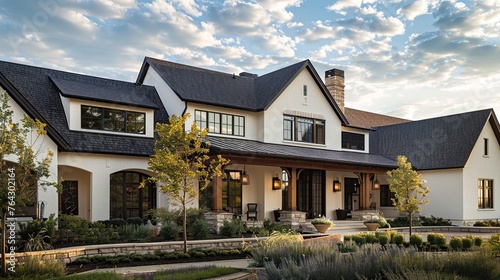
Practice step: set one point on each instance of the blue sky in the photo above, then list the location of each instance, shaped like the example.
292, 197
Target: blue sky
411, 59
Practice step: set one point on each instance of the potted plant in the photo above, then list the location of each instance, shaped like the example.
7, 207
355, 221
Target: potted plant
374, 222
322, 224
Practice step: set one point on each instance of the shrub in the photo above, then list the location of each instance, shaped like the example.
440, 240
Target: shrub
98, 233
126, 232
201, 229
142, 233
40, 267
467, 243
118, 222
433, 221
33, 228
478, 241
416, 240
258, 232
431, 238
383, 240
135, 221
456, 243
399, 239
232, 228
170, 231
440, 239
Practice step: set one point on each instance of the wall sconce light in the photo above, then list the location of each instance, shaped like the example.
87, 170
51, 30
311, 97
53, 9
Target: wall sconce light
276, 183
245, 178
376, 184
336, 185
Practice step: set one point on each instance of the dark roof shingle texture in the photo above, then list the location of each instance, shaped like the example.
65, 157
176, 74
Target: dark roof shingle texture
437, 143
36, 86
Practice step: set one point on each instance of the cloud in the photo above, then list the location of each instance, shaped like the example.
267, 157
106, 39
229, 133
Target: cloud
414, 9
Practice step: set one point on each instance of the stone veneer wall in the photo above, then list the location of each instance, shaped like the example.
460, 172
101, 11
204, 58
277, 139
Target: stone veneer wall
293, 218
70, 254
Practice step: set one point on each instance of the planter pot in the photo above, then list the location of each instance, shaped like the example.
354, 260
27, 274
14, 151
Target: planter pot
341, 214
321, 228
372, 226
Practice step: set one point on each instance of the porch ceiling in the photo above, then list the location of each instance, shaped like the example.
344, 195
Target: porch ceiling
259, 153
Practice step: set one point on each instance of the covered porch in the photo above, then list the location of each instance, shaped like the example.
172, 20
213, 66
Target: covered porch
290, 184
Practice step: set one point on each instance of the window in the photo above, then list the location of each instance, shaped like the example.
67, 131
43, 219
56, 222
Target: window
303, 129
305, 91
353, 141
484, 193
220, 123
386, 196
113, 120
231, 191
68, 199
485, 146
284, 192
127, 199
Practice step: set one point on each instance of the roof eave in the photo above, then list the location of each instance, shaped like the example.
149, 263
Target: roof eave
20, 99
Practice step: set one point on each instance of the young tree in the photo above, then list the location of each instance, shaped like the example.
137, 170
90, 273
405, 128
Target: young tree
408, 188
21, 167
182, 164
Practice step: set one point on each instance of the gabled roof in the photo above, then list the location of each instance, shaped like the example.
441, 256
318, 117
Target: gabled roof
33, 89
257, 149
368, 120
246, 92
437, 143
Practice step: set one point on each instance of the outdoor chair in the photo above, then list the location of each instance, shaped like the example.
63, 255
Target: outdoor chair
251, 211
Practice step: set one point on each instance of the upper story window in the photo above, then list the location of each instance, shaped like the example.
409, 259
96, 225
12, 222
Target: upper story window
303, 129
220, 123
486, 147
484, 193
353, 141
304, 93
112, 119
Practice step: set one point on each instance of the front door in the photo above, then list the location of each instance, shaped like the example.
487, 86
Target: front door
351, 194
311, 193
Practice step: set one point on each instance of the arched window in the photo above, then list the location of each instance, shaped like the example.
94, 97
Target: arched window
127, 199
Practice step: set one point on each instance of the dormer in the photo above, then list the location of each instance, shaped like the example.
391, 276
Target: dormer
109, 107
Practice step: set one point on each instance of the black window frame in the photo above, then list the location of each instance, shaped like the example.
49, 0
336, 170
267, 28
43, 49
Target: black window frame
220, 123
352, 139
304, 130
118, 121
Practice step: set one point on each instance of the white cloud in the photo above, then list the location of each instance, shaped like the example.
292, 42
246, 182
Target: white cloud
414, 9
344, 4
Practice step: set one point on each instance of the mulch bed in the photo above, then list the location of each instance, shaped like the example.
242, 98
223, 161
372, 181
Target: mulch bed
74, 268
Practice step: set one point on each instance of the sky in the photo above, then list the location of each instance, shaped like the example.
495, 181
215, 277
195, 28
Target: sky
409, 59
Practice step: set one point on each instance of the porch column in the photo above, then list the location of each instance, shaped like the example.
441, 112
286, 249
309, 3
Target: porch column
292, 190
367, 189
217, 194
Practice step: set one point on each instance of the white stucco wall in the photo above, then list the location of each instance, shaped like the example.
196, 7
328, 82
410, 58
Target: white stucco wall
172, 103
445, 194
100, 167
292, 99
42, 146
480, 166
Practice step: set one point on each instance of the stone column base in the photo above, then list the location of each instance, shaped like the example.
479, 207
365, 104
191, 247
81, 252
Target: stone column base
293, 218
215, 219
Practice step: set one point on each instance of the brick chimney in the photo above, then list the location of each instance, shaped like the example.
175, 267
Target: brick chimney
334, 81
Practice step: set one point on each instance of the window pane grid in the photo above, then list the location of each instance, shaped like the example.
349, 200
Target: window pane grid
220, 123
485, 193
303, 130
112, 120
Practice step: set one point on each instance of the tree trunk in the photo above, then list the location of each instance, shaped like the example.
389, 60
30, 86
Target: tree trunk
184, 227
4, 232
411, 220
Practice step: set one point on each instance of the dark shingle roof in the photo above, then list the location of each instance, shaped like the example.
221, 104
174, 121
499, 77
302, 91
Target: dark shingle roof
32, 88
437, 143
106, 91
368, 120
259, 149
248, 92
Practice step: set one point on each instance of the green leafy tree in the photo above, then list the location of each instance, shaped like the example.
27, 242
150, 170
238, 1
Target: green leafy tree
182, 163
22, 167
408, 188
